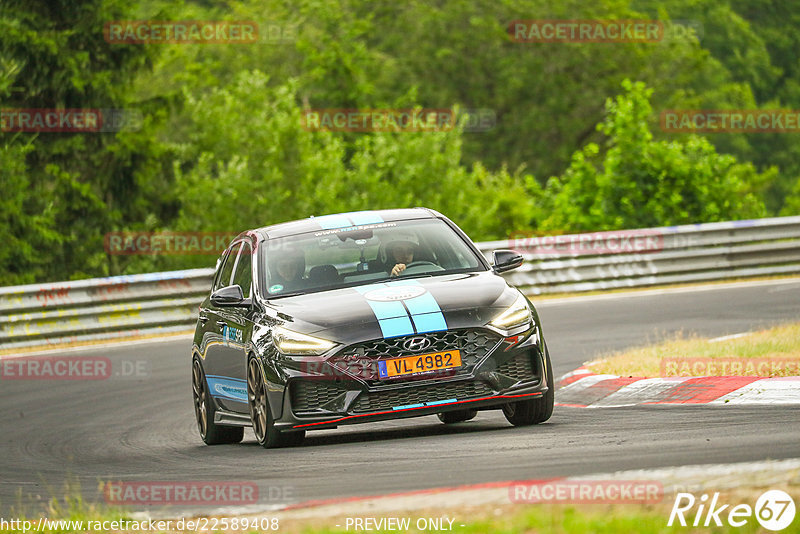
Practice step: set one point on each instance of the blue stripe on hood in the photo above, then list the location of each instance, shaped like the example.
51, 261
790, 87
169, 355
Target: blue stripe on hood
395, 317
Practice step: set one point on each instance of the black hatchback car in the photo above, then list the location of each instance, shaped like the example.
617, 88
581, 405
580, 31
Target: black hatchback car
361, 317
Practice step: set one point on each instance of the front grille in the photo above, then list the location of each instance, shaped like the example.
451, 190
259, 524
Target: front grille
470, 341
474, 344
386, 400
518, 368
310, 395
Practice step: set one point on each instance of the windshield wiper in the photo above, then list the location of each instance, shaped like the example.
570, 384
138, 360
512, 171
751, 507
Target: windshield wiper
290, 294
342, 286
399, 278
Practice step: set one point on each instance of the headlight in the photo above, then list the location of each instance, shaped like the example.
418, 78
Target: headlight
290, 342
518, 314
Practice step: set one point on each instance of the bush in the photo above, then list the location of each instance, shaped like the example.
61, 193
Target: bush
638, 182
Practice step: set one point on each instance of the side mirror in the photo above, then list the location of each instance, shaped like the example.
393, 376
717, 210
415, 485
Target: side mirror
505, 260
229, 297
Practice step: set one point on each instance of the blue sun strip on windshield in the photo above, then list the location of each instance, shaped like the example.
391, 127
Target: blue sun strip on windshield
330, 222
364, 217
345, 220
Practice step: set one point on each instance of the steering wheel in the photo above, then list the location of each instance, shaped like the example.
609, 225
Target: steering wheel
421, 266
420, 262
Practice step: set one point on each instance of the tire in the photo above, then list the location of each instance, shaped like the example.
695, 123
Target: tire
267, 435
210, 432
534, 411
292, 439
457, 416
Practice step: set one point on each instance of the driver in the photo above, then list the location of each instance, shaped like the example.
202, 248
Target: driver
400, 252
288, 271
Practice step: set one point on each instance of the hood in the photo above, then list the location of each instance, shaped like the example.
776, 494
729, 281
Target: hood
401, 307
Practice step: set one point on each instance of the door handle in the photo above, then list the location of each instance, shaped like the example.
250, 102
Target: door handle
221, 323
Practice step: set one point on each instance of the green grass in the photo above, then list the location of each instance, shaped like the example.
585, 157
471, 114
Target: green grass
584, 519
69, 506
779, 344
478, 519
521, 519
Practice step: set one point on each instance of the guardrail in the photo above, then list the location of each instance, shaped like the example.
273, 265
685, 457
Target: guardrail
666, 255
100, 308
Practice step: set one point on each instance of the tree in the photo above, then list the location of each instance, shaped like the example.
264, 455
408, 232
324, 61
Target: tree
84, 183
249, 162
640, 182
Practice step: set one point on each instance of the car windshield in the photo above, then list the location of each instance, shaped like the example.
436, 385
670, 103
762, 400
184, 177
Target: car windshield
352, 256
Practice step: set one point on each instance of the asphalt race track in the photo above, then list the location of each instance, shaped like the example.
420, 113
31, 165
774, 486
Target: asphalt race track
142, 428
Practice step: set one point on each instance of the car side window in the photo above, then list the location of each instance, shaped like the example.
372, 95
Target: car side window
226, 271
243, 276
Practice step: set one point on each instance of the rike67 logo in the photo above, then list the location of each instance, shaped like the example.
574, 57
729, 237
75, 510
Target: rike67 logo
774, 510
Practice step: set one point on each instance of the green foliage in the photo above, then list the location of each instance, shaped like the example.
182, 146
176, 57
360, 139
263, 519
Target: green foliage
756, 42
792, 205
641, 182
222, 147
74, 186
247, 141
24, 231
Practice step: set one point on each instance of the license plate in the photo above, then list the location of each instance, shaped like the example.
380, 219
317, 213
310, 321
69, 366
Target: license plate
422, 363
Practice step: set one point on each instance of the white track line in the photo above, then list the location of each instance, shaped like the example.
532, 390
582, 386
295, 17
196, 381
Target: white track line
646, 390
101, 346
767, 391
732, 336
665, 291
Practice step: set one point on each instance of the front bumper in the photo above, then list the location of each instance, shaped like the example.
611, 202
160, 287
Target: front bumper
495, 372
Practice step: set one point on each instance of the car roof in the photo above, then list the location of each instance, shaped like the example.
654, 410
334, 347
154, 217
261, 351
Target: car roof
344, 220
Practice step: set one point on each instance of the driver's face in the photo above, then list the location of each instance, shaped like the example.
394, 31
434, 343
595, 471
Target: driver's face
403, 253
288, 269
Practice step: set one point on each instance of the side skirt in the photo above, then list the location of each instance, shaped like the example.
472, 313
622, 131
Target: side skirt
223, 417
